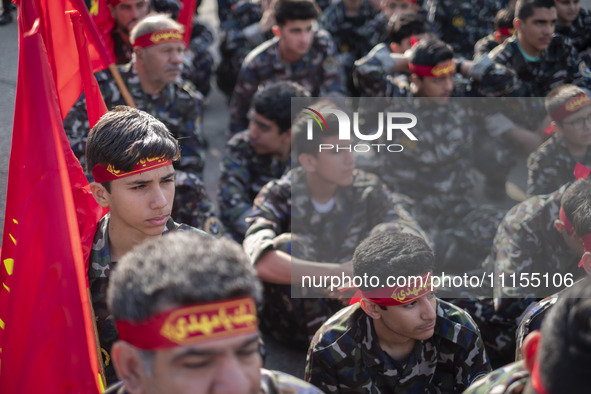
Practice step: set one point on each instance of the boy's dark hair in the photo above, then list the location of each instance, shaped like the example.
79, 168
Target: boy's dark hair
430, 52
274, 102
177, 269
405, 25
389, 253
560, 95
289, 10
564, 351
525, 8
124, 136
299, 129
576, 196
504, 18
581, 217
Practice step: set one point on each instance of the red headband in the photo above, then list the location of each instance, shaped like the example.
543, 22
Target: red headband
536, 380
115, 3
398, 295
567, 224
102, 174
504, 31
568, 108
158, 37
440, 70
189, 324
586, 244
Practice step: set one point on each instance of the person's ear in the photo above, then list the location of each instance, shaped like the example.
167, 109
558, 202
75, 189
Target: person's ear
276, 31
586, 260
308, 162
559, 226
129, 367
517, 23
529, 349
372, 309
394, 47
100, 194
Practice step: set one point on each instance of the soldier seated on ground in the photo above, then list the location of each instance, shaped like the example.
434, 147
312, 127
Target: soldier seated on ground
299, 53
308, 223
581, 228
555, 359
396, 338
162, 285
552, 164
152, 78
130, 155
503, 30
403, 30
574, 22
258, 155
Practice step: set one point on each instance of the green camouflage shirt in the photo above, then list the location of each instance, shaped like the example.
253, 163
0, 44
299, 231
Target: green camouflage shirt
345, 356
99, 271
551, 166
510, 379
318, 71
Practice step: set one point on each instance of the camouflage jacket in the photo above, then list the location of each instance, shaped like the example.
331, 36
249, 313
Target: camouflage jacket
551, 166
243, 175
318, 71
579, 31
484, 46
178, 106
374, 75
99, 271
528, 242
462, 23
285, 206
510, 74
345, 356
272, 382
510, 379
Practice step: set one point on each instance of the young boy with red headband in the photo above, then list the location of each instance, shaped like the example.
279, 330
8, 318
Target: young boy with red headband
551, 165
398, 338
130, 154
185, 309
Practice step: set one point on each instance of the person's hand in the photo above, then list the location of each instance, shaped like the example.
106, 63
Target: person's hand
268, 19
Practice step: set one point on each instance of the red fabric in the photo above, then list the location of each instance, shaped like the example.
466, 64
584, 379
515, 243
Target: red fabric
438, 71
105, 174
104, 22
570, 107
47, 338
581, 171
397, 295
186, 19
158, 37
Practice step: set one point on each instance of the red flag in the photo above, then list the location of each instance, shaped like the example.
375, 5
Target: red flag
581, 171
186, 19
104, 22
46, 332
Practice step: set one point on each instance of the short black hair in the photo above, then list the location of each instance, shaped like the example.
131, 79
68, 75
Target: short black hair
405, 25
564, 351
525, 8
178, 269
430, 52
390, 253
289, 10
576, 195
124, 136
504, 18
581, 217
299, 130
274, 102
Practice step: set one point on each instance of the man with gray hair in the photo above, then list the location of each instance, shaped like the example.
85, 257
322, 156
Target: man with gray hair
185, 309
153, 78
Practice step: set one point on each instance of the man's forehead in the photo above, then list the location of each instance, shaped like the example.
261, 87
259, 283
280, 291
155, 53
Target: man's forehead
127, 3
228, 344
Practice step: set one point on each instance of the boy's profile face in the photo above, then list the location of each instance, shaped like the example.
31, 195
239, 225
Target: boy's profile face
129, 13
264, 135
141, 204
295, 37
568, 11
535, 33
415, 320
397, 7
332, 166
575, 129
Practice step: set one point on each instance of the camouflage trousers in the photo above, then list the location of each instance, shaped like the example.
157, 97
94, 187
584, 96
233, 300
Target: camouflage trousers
294, 320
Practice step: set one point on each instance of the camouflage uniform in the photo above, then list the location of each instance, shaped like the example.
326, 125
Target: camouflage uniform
462, 23
510, 379
579, 32
179, 107
318, 71
437, 172
240, 34
551, 166
99, 271
243, 175
485, 45
510, 74
284, 218
345, 356
374, 75
353, 36
272, 382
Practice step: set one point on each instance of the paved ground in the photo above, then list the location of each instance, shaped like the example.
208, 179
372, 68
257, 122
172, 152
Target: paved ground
216, 119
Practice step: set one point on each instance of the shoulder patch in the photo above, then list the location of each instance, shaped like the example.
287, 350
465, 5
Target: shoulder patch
584, 70
330, 64
213, 226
